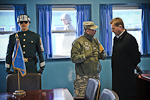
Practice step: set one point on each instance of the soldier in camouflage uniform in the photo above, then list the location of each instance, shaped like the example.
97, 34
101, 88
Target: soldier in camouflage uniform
86, 52
31, 45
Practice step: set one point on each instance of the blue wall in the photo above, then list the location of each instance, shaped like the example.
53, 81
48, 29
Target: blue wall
61, 73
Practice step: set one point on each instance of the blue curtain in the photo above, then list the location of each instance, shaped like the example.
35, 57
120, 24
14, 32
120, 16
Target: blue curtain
146, 28
44, 27
83, 14
105, 28
19, 9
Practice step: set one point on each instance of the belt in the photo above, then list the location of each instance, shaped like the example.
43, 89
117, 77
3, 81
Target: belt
28, 59
25, 59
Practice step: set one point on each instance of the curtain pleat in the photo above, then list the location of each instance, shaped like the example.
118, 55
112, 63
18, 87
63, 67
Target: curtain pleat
145, 29
105, 28
44, 27
83, 14
19, 9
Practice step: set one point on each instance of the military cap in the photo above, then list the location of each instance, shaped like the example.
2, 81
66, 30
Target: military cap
23, 17
90, 25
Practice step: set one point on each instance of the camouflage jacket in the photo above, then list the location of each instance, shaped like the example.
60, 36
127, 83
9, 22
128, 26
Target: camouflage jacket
81, 47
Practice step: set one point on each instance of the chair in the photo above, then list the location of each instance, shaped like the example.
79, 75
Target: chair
146, 71
108, 94
31, 81
92, 90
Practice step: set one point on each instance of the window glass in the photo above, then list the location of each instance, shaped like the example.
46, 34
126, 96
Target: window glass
3, 43
2, 28
63, 32
132, 22
7, 19
12, 28
7, 26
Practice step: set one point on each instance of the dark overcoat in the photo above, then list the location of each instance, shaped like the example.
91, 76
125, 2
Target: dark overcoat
125, 58
31, 46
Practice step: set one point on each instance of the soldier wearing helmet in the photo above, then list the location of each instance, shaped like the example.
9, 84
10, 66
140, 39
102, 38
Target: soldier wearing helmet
86, 52
66, 19
31, 45
69, 35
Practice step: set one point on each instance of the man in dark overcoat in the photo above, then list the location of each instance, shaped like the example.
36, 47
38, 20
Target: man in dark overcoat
125, 58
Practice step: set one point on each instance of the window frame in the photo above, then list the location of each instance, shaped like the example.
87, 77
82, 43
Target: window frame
62, 8
125, 7
11, 28
6, 7
3, 28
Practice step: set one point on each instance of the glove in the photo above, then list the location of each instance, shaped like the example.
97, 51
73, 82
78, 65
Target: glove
90, 55
41, 70
8, 71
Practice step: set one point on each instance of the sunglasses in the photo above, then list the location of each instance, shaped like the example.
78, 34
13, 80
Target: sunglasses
93, 30
23, 22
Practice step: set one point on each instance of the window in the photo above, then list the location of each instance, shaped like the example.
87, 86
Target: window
2, 28
12, 28
7, 27
131, 15
63, 30
56, 35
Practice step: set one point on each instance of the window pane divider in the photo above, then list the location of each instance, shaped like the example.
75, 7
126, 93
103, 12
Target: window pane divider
133, 29
64, 31
6, 32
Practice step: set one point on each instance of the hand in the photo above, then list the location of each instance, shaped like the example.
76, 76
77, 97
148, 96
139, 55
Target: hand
88, 55
8, 71
92, 54
41, 70
95, 52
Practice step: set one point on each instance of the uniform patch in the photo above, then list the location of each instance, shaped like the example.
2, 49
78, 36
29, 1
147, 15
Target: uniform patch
94, 48
87, 46
86, 43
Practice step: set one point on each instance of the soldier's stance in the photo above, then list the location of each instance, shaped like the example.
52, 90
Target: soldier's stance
86, 52
31, 46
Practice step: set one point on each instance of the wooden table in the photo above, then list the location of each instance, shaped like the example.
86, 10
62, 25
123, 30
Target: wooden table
143, 87
52, 94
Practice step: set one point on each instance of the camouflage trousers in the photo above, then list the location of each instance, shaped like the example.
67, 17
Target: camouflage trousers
80, 84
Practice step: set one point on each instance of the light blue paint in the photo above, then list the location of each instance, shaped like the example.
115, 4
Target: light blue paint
61, 73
